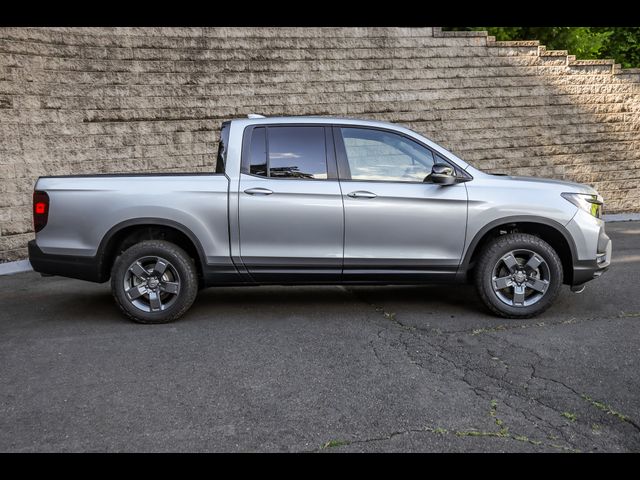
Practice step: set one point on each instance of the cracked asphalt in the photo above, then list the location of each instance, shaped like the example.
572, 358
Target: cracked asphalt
327, 369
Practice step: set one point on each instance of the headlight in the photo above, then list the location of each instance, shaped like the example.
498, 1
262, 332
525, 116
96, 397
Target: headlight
591, 204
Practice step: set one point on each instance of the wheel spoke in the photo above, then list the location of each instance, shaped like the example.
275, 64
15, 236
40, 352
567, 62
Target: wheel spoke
154, 301
170, 287
137, 291
533, 262
510, 261
537, 284
518, 294
139, 271
159, 268
502, 282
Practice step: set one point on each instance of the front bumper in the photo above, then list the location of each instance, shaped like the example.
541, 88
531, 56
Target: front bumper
586, 270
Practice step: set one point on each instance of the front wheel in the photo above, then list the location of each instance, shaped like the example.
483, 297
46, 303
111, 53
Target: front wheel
518, 275
154, 281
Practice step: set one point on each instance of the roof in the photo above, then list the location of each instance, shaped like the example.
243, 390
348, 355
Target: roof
317, 119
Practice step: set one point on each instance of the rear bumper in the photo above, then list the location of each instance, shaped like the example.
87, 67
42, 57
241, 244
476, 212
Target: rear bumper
82, 268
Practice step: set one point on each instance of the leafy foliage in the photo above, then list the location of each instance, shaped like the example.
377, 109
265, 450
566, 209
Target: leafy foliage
619, 43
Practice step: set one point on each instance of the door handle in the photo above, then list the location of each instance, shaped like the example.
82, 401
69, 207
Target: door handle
258, 191
361, 194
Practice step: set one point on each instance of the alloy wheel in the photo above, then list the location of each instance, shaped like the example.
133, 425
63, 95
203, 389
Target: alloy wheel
152, 284
520, 278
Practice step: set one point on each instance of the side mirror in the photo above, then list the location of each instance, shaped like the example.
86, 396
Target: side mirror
442, 174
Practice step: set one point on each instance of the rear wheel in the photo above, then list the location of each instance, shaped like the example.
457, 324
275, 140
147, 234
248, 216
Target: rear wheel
154, 281
518, 275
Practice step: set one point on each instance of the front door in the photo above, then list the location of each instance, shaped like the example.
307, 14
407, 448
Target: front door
290, 205
398, 225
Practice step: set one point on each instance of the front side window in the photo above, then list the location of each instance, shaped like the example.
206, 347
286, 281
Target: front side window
288, 152
385, 156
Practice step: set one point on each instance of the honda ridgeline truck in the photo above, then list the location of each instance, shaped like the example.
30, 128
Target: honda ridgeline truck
309, 200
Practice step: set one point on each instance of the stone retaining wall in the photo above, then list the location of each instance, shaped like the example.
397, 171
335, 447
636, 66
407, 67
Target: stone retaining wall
99, 100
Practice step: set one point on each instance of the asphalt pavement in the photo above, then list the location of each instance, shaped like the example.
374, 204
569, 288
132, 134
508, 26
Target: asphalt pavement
326, 369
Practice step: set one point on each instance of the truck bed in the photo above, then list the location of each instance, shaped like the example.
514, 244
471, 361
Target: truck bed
84, 208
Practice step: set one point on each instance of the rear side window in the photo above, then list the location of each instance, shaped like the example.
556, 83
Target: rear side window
297, 152
288, 152
222, 147
258, 152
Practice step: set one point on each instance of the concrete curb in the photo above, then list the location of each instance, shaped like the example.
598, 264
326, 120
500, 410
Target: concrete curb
20, 266
15, 267
621, 217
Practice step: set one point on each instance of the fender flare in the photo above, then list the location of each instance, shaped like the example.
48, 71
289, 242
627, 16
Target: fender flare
464, 265
149, 221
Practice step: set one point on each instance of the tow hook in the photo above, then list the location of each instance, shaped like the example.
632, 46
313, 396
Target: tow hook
578, 288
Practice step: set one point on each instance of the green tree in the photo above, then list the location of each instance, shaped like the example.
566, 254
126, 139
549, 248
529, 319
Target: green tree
619, 43
623, 45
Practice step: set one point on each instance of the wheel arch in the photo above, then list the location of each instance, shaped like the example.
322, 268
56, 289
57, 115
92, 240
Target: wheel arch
129, 232
552, 232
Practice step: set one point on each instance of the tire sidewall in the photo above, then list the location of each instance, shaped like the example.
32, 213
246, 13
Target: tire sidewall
181, 262
499, 248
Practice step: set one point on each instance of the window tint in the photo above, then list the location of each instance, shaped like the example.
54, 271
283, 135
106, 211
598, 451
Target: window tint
297, 152
287, 152
258, 152
378, 155
222, 147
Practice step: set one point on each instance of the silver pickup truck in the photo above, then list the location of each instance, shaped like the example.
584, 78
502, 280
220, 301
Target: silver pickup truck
309, 200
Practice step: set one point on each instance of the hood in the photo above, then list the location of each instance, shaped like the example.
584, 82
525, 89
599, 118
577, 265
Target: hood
571, 187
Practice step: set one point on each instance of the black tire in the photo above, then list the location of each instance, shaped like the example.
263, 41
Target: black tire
491, 261
177, 286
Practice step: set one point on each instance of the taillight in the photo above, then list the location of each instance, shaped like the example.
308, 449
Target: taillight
40, 210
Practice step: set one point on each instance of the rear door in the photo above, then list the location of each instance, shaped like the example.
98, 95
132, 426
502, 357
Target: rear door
291, 215
398, 225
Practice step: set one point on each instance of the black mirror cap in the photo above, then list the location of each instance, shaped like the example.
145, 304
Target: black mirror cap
443, 174
442, 169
